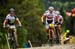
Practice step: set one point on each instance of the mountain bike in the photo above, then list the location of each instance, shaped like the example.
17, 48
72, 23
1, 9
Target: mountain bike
51, 33
11, 38
57, 33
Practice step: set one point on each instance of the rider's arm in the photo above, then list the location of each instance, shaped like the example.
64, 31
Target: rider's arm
42, 18
17, 19
4, 23
61, 18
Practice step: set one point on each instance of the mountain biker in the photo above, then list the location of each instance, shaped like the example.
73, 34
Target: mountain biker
48, 16
58, 21
10, 20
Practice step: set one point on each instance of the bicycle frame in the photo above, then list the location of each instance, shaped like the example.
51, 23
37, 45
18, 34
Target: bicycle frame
57, 33
11, 39
51, 36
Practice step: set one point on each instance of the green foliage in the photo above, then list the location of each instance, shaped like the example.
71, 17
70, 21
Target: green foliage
2, 40
30, 12
1, 34
22, 35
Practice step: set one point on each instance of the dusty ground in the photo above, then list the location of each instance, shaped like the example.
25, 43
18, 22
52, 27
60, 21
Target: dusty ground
54, 47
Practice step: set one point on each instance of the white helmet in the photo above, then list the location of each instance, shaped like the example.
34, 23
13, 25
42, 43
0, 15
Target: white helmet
51, 8
57, 12
11, 9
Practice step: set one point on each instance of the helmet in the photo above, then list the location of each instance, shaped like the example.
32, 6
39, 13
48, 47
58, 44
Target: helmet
51, 8
11, 9
57, 12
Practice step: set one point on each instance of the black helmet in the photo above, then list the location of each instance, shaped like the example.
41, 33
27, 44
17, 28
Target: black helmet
12, 10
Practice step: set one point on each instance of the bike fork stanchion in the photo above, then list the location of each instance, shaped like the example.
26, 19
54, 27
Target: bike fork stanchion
57, 36
7, 41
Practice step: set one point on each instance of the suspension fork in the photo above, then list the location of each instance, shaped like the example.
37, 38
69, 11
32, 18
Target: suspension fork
50, 34
57, 35
11, 36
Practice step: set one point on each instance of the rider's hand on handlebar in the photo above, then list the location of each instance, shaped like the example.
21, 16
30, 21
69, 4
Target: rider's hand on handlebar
43, 23
20, 25
3, 26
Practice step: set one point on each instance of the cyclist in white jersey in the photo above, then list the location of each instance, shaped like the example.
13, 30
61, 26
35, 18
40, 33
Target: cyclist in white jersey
59, 20
49, 18
58, 17
10, 20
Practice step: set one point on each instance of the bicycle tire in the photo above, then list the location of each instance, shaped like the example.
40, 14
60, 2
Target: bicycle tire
12, 42
51, 38
57, 36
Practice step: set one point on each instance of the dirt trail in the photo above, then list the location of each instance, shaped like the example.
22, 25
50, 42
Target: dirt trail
54, 47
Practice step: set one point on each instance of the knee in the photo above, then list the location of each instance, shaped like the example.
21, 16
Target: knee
47, 30
15, 30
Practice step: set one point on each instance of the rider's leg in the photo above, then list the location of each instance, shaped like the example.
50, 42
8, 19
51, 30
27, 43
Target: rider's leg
60, 29
15, 33
51, 38
53, 35
53, 32
47, 30
48, 33
62, 38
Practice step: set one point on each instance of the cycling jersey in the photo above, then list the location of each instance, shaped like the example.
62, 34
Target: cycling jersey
11, 19
60, 17
49, 17
56, 19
